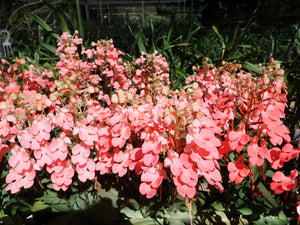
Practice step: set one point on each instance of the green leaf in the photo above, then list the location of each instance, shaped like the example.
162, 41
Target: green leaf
61, 20
245, 211
111, 195
144, 221
39, 206
218, 206
79, 18
40, 21
271, 220
182, 73
179, 217
50, 48
266, 194
56, 203
2, 214
251, 67
132, 214
221, 39
36, 58
141, 42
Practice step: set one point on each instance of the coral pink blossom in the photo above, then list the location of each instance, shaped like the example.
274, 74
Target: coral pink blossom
281, 183
238, 139
185, 176
151, 180
238, 170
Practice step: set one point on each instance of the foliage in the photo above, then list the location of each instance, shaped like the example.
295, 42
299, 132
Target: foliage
97, 116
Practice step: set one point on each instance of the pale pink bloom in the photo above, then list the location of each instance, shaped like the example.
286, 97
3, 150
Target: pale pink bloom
86, 171
105, 162
185, 176
151, 180
63, 179
42, 156
40, 130
58, 149
64, 119
80, 154
22, 173
88, 134
121, 162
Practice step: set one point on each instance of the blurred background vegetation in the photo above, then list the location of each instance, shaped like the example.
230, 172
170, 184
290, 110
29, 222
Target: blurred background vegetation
186, 32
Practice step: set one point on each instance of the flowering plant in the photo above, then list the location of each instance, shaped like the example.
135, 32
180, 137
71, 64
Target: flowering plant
100, 115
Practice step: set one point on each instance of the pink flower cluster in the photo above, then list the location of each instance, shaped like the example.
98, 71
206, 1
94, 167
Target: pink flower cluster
102, 115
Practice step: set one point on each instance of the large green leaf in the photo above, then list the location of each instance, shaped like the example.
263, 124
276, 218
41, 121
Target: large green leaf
40, 21
79, 18
245, 211
251, 67
39, 206
56, 203
271, 220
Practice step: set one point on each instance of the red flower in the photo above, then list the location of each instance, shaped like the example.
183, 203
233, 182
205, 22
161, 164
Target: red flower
282, 183
238, 170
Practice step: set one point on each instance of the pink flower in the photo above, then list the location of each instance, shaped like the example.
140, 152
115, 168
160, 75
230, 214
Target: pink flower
80, 154
64, 119
276, 130
88, 134
257, 153
40, 130
238, 139
121, 161
120, 131
58, 149
62, 179
103, 142
281, 183
298, 211
42, 156
105, 162
22, 173
4, 127
151, 180
86, 171
238, 170
185, 176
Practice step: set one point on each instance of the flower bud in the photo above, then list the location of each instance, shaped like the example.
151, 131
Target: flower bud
73, 100
38, 96
90, 89
114, 98
121, 96
195, 85
3, 105
13, 97
53, 96
48, 102
148, 99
